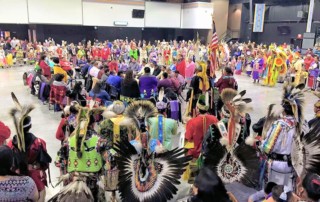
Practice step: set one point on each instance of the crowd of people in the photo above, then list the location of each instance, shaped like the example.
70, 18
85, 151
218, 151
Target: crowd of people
121, 104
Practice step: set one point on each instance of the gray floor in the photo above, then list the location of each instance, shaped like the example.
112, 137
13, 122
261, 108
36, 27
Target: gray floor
45, 122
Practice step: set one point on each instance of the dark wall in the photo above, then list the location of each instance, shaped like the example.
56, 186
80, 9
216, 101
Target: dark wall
275, 17
76, 34
271, 33
17, 30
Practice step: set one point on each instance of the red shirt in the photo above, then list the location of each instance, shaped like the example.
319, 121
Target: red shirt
65, 65
96, 53
308, 62
105, 53
38, 175
181, 67
195, 131
225, 82
113, 66
46, 71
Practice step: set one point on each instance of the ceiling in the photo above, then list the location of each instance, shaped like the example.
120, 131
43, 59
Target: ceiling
273, 2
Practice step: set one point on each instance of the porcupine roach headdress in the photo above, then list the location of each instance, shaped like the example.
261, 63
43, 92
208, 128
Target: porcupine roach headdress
19, 113
147, 176
293, 97
239, 162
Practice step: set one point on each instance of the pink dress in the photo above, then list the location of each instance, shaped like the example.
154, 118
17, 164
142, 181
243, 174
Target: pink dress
190, 71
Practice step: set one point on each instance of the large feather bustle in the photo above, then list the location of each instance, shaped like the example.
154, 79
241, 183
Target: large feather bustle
242, 166
172, 164
18, 114
140, 110
76, 191
306, 153
248, 157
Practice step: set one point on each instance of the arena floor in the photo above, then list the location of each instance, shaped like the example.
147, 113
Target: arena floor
45, 122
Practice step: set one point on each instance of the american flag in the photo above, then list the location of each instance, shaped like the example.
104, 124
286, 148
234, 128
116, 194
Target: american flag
213, 49
214, 39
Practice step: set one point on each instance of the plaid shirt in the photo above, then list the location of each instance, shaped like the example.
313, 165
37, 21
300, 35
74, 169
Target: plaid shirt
57, 94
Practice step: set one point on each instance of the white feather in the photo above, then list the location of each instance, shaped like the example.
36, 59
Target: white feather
276, 110
236, 97
250, 140
109, 114
159, 149
138, 146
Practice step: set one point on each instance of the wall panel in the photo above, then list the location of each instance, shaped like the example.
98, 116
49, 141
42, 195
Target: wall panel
67, 12
197, 16
162, 15
13, 11
104, 14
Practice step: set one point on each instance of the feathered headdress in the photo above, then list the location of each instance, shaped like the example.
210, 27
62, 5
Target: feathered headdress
237, 106
293, 97
19, 113
239, 164
234, 162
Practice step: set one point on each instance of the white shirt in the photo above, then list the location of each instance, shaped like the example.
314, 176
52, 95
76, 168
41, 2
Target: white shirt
94, 71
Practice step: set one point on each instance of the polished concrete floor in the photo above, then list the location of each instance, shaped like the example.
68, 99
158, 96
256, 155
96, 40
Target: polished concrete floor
45, 122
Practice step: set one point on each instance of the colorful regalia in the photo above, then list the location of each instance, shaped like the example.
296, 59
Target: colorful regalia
112, 130
146, 172
199, 85
197, 127
257, 66
298, 69
190, 71
249, 60
84, 160
163, 128
232, 161
306, 150
314, 73
9, 59
238, 67
281, 136
30, 153
276, 66
3, 61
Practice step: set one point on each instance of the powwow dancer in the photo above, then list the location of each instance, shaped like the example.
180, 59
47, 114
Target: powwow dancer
146, 172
